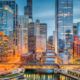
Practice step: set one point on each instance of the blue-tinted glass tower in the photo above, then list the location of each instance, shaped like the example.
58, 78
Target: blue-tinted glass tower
13, 5
63, 26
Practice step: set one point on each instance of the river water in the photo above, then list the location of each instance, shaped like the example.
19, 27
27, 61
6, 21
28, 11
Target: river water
43, 74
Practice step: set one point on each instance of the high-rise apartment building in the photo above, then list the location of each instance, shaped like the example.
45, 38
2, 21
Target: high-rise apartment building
6, 31
23, 20
63, 26
28, 10
31, 37
78, 29
12, 4
43, 29
40, 43
37, 27
74, 29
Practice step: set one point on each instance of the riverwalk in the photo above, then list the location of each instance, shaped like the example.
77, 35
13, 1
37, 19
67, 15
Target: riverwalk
66, 74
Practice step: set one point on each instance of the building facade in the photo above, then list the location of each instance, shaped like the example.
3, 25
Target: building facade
41, 43
6, 31
78, 29
37, 28
43, 30
50, 40
74, 29
54, 38
31, 37
76, 47
28, 10
63, 26
26, 58
12, 4
23, 20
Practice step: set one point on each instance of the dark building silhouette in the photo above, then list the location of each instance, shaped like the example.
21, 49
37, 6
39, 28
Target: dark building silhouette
28, 9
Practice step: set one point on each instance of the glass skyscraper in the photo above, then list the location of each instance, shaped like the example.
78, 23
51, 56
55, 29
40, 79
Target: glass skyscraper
63, 26
28, 10
78, 29
13, 5
6, 32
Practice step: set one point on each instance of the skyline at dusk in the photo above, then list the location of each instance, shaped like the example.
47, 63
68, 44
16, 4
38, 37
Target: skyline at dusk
39, 39
45, 12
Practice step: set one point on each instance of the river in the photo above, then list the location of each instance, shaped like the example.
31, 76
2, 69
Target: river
43, 74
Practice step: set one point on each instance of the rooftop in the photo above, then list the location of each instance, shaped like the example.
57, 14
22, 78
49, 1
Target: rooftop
26, 54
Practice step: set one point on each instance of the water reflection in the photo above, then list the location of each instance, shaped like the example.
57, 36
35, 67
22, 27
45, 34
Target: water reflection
42, 76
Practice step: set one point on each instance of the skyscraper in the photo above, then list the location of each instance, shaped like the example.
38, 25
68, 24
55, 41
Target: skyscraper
6, 31
28, 10
43, 29
37, 27
12, 4
31, 37
63, 26
23, 20
78, 29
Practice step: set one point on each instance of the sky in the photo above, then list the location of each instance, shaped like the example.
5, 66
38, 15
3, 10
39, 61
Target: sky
44, 10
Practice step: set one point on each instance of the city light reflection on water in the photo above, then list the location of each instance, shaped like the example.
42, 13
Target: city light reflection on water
42, 76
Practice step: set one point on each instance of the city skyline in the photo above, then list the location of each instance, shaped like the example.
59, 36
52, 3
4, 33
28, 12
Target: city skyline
47, 12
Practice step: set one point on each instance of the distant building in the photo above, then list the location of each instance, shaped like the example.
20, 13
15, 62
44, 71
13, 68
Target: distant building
23, 20
76, 47
6, 30
50, 40
54, 38
28, 10
74, 29
31, 37
41, 43
20, 46
27, 58
37, 27
43, 30
78, 29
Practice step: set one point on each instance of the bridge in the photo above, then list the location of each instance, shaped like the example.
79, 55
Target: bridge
33, 65
46, 57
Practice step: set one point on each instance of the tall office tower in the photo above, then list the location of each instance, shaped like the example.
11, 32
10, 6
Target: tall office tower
78, 29
31, 37
28, 10
13, 5
20, 39
50, 40
43, 30
37, 27
74, 29
23, 20
6, 29
41, 43
63, 26
54, 38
